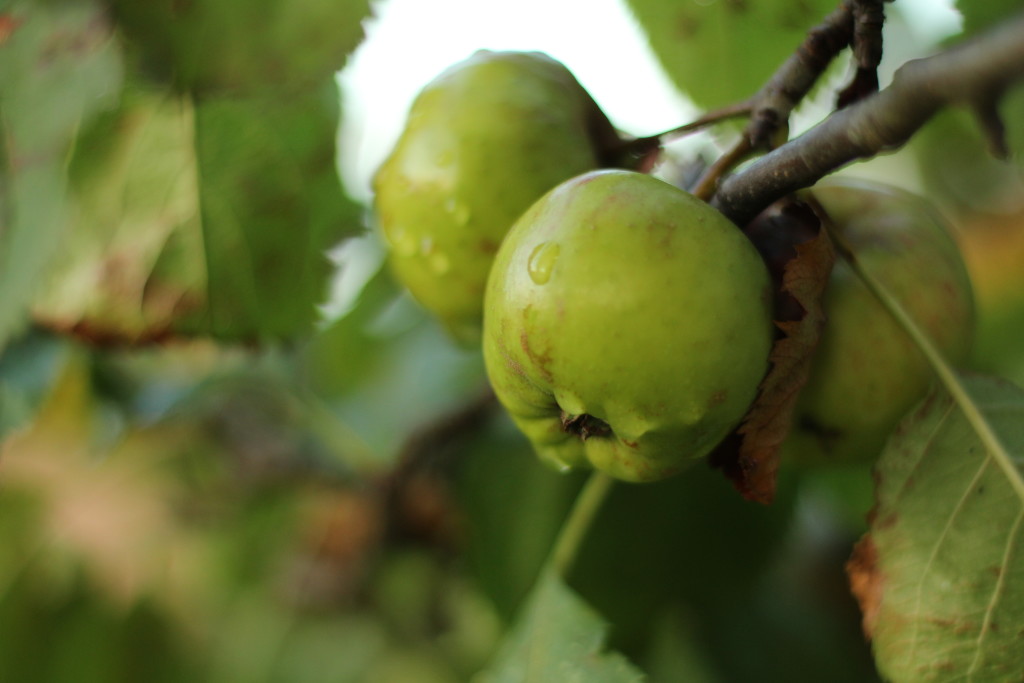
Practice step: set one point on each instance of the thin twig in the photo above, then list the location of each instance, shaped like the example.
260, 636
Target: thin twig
638, 148
732, 111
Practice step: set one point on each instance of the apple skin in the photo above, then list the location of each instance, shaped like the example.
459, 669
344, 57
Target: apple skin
483, 141
867, 373
620, 297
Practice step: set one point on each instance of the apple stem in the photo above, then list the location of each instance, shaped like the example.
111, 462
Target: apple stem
575, 527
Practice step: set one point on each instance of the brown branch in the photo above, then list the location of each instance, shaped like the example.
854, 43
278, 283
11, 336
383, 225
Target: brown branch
415, 495
868, 19
966, 74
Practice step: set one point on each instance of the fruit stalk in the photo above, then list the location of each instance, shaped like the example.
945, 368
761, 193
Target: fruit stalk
582, 515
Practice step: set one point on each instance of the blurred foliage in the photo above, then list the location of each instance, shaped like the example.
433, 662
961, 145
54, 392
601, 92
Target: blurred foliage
204, 510
56, 58
696, 42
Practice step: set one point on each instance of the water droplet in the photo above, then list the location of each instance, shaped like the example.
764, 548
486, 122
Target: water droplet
542, 261
402, 241
459, 211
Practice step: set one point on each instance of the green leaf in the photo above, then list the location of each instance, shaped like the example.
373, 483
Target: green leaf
981, 15
271, 204
946, 597
59, 65
720, 52
131, 263
209, 218
558, 638
240, 46
513, 506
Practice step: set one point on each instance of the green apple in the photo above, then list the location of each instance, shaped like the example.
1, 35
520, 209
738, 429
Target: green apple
483, 141
627, 325
867, 373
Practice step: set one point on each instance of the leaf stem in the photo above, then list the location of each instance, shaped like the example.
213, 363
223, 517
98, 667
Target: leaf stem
947, 375
574, 530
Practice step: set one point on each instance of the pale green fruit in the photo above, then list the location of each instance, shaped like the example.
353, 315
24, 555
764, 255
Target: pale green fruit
483, 141
627, 325
867, 373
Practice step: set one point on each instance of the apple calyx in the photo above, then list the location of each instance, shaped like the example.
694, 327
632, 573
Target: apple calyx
584, 426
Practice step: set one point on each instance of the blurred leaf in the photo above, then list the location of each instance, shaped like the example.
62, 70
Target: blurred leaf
271, 204
706, 47
689, 539
798, 623
940, 577
514, 506
240, 46
117, 515
676, 653
200, 219
132, 262
386, 368
50, 637
344, 354
993, 248
558, 638
28, 367
980, 15
59, 65
958, 169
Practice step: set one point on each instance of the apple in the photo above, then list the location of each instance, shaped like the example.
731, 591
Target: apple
627, 325
867, 373
483, 141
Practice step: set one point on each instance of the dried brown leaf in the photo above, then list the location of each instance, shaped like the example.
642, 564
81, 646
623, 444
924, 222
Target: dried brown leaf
800, 257
866, 581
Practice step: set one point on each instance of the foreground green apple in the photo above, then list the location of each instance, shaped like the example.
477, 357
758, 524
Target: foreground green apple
483, 141
867, 373
627, 325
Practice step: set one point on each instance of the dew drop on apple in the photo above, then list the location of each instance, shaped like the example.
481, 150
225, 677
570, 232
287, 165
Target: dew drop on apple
458, 211
542, 262
403, 241
437, 260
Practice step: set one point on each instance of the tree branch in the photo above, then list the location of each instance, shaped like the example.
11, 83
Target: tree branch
970, 73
